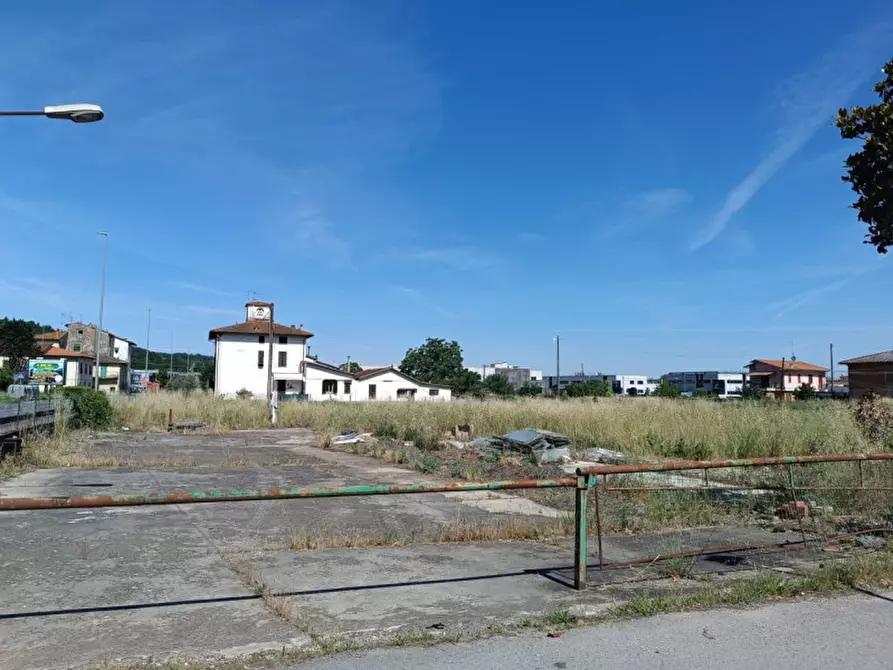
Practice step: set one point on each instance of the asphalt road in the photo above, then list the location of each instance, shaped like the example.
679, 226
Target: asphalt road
850, 632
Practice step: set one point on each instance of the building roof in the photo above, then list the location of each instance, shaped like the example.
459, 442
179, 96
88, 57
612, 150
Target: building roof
790, 365
880, 357
258, 303
372, 372
328, 366
49, 351
107, 332
258, 328
54, 336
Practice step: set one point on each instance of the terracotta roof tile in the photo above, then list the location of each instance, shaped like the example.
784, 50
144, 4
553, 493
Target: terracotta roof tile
790, 365
258, 328
58, 352
54, 336
371, 372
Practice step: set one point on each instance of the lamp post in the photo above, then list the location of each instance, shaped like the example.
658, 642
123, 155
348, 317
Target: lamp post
105, 253
79, 113
558, 365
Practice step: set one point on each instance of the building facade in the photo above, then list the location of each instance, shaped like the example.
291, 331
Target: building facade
780, 378
114, 353
242, 357
714, 382
873, 372
517, 375
61, 367
242, 365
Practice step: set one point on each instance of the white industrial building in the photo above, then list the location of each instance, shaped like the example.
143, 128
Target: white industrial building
242, 358
714, 382
625, 384
516, 374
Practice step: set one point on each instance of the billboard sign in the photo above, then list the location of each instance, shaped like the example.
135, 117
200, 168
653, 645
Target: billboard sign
46, 372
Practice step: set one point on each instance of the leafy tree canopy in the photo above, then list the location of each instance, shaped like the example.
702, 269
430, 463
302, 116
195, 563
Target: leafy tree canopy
440, 362
354, 367
499, 385
870, 170
666, 390
804, 392
17, 342
530, 389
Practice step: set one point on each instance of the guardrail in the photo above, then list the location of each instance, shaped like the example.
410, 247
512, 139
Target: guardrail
16, 418
582, 482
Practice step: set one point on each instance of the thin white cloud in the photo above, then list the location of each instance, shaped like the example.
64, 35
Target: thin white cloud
530, 238
315, 234
205, 309
198, 288
788, 305
418, 297
660, 202
458, 258
807, 101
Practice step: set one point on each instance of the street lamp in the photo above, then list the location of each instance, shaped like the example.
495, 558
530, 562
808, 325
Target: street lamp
105, 253
80, 113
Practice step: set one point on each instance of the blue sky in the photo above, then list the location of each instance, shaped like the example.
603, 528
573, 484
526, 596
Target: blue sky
660, 186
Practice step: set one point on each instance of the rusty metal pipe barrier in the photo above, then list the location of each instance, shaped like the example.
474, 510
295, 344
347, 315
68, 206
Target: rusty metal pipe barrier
581, 482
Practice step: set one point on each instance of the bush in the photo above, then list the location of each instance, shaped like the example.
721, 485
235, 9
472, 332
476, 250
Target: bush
804, 392
666, 390
244, 394
89, 408
184, 383
6, 378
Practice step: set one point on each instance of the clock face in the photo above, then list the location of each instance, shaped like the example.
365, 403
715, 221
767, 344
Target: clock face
260, 312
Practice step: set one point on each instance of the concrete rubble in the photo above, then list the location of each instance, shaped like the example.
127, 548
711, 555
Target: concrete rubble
544, 445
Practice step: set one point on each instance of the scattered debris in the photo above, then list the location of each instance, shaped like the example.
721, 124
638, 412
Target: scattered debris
796, 509
190, 425
463, 431
871, 541
556, 634
437, 626
601, 455
456, 444
708, 635
350, 437
545, 446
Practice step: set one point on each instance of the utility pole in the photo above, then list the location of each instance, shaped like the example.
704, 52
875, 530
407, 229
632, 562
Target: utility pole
558, 364
271, 396
831, 352
105, 253
172, 353
148, 326
347, 369
782, 377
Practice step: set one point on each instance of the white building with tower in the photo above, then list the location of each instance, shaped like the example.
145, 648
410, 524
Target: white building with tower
242, 359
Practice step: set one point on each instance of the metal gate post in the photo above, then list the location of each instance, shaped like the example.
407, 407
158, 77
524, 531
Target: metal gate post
583, 483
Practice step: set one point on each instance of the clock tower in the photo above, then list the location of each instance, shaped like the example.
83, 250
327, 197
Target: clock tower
257, 311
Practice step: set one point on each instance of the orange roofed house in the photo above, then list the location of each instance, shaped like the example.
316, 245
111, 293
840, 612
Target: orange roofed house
780, 378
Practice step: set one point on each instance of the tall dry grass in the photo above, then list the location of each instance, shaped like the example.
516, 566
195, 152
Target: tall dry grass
638, 426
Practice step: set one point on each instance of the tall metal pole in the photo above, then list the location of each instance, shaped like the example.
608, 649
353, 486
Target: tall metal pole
105, 251
831, 351
558, 364
270, 395
148, 326
782, 378
172, 354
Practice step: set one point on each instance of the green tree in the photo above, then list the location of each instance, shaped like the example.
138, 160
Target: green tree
6, 378
577, 390
89, 408
499, 385
804, 392
206, 375
440, 362
752, 393
530, 389
162, 378
666, 390
184, 383
870, 171
17, 342
354, 367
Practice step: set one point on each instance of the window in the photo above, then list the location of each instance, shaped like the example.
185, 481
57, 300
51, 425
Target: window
261, 339
116, 350
330, 386
406, 393
77, 347
260, 359
789, 379
810, 380
347, 388
283, 359
283, 339
80, 332
371, 391
640, 382
433, 392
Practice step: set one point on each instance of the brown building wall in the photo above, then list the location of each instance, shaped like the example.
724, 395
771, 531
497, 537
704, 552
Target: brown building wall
875, 376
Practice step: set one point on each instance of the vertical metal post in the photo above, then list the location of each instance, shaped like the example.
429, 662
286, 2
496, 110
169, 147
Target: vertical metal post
271, 391
558, 364
861, 475
170, 420
794, 502
580, 551
598, 522
105, 253
148, 329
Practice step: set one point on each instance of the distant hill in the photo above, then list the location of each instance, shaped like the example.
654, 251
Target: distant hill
160, 360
